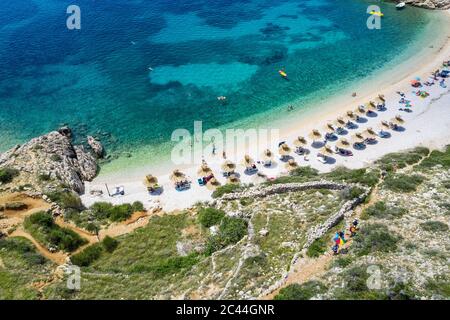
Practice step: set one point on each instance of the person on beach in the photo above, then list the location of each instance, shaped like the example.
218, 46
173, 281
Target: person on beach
214, 150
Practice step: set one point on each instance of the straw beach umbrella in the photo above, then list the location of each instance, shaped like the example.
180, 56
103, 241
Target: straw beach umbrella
291, 165
371, 106
351, 115
268, 155
370, 132
233, 179
360, 110
300, 142
384, 125
315, 135
204, 170
326, 150
228, 166
248, 162
340, 122
177, 176
329, 128
399, 119
150, 181
357, 138
212, 184
284, 150
343, 143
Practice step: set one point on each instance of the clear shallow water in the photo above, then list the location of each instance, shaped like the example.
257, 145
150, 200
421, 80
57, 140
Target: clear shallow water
98, 81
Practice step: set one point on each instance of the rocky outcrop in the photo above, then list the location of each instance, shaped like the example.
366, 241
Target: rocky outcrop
54, 157
96, 146
429, 4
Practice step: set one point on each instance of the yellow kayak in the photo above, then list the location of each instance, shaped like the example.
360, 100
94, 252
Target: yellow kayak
282, 73
377, 13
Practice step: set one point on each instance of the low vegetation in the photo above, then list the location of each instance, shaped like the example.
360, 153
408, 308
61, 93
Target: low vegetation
373, 238
231, 230
227, 188
304, 291
93, 252
66, 198
8, 174
399, 160
209, 217
402, 182
437, 157
434, 226
381, 210
42, 227
21, 266
368, 177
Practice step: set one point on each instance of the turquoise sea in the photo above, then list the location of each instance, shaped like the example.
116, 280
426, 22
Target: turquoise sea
98, 79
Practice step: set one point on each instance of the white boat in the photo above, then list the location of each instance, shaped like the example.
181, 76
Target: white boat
400, 5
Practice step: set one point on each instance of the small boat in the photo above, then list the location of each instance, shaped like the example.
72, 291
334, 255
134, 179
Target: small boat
376, 13
221, 98
400, 5
282, 73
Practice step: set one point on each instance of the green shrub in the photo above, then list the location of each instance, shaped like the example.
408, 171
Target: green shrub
209, 217
362, 176
43, 177
402, 182
56, 158
65, 239
24, 248
246, 201
434, 226
109, 244
317, 248
137, 206
383, 211
66, 199
374, 238
400, 160
231, 230
105, 210
227, 188
87, 256
42, 219
301, 174
101, 210
92, 227
304, 291
174, 265
437, 158
440, 285
351, 193
342, 261
8, 174
121, 212
355, 286
43, 228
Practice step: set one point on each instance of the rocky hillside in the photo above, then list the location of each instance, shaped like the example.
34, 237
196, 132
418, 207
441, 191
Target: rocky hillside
51, 159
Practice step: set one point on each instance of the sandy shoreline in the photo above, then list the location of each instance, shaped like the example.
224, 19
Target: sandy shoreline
427, 125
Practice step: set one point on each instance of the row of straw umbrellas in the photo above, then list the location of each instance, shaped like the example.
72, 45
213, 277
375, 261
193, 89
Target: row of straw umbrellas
284, 150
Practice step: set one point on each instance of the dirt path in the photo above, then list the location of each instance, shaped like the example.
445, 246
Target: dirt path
307, 268
58, 257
